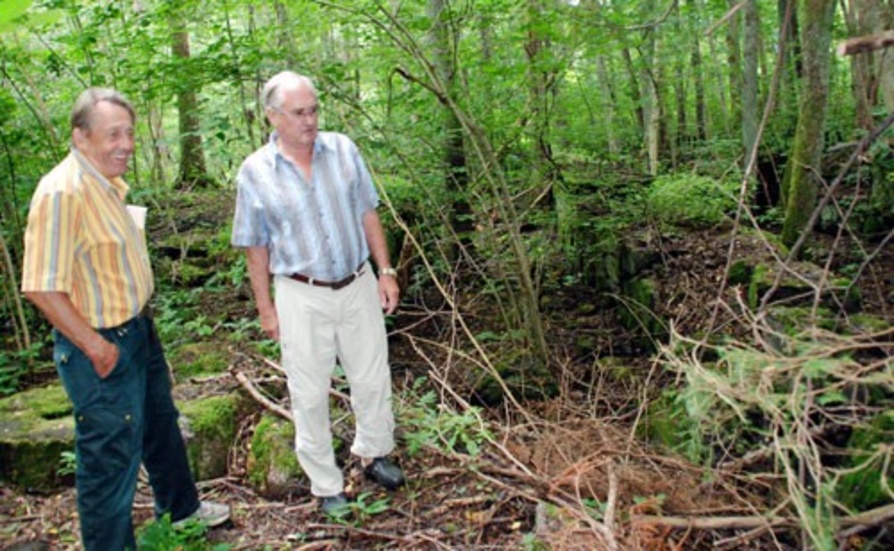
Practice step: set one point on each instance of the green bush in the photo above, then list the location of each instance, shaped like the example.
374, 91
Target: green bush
691, 200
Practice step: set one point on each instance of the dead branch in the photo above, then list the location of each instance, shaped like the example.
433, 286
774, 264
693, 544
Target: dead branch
263, 400
872, 517
863, 44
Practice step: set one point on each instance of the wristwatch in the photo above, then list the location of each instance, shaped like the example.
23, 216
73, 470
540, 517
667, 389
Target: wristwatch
388, 272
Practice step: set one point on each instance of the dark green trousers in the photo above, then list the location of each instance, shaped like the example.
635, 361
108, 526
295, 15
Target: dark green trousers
120, 421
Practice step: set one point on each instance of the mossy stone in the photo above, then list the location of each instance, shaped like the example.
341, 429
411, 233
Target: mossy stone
862, 489
210, 429
36, 426
273, 469
198, 359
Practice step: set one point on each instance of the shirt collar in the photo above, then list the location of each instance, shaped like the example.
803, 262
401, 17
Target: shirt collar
116, 185
320, 144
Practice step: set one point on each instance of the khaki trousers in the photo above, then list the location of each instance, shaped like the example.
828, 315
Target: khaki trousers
318, 326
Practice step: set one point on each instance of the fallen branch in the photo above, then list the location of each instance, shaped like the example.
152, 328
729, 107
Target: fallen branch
863, 44
263, 400
872, 517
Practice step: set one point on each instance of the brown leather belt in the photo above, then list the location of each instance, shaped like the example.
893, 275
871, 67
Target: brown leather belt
334, 285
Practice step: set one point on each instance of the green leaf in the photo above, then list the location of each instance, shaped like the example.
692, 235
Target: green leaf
10, 12
831, 397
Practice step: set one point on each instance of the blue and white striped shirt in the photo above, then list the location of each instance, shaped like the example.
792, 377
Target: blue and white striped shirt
314, 228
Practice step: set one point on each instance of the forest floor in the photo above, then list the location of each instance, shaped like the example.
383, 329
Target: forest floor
566, 473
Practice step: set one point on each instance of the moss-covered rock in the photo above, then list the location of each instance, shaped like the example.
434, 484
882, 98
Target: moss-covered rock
36, 426
210, 425
272, 466
523, 375
861, 486
797, 286
198, 359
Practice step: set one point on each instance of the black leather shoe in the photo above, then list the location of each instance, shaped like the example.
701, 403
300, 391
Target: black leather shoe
335, 506
385, 473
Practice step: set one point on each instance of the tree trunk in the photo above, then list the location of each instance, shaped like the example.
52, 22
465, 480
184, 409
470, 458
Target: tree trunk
750, 89
192, 171
866, 17
787, 110
734, 62
456, 176
608, 104
701, 108
803, 169
651, 104
680, 95
541, 78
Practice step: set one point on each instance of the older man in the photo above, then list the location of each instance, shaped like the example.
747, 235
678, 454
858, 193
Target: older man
305, 214
86, 268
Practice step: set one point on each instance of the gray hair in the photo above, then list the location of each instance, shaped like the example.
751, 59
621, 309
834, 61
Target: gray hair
286, 80
85, 106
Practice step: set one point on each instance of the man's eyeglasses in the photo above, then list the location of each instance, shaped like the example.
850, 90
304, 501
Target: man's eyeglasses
311, 111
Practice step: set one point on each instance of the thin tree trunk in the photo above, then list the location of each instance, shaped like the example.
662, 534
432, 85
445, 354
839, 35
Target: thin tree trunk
192, 171
803, 169
608, 105
22, 336
734, 62
701, 109
750, 89
456, 176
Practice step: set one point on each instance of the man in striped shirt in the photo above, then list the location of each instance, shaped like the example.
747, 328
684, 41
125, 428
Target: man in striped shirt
86, 268
305, 214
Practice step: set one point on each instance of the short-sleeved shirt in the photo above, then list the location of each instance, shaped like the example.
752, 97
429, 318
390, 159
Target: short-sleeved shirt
82, 241
315, 227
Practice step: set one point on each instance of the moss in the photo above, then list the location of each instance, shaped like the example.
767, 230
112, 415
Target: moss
740, 273
211, 423
48, 402
272, 464
794, 320
867, 323
523, 374
670, 199
662, 422
197, 359
36, 426
757, 284
862, 489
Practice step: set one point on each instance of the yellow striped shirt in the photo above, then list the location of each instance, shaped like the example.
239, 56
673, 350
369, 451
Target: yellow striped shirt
81, 240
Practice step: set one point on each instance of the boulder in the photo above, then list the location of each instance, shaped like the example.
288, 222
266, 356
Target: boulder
273, 469
36, 427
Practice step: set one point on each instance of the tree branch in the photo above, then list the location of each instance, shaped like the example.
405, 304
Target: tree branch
864, 44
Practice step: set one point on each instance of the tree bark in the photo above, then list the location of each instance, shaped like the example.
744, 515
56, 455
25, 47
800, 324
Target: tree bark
456, 176
192, 171
734, 62
750, 88
701, 108
802, 172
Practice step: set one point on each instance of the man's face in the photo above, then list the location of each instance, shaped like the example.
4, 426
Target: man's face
109, 143
296, 120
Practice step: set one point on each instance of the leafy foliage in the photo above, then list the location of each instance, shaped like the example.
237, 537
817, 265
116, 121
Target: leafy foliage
691, 200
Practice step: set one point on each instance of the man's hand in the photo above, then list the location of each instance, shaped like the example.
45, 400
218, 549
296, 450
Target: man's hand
270, 324
389, 293
103, 355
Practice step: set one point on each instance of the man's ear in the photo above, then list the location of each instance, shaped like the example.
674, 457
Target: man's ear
270, 113
78, 137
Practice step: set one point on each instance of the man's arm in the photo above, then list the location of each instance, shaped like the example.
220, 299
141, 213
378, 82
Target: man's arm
61, 312
389, 292
259, 275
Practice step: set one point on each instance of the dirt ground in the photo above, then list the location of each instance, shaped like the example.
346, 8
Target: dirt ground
562, 471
